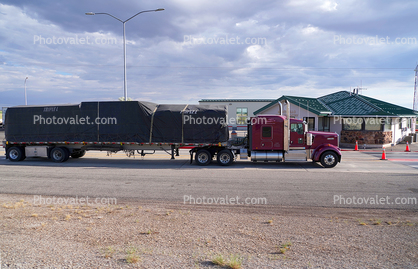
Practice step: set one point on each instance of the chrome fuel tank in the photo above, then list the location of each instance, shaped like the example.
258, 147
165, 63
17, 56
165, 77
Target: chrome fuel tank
266, 156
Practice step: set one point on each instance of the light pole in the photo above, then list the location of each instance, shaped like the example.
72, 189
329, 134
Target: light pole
125, 90
26, 96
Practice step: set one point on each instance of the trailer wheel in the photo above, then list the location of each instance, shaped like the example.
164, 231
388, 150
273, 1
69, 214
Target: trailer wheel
225, 157
78, 154
329, 159
16, 154
203, 157
59, 155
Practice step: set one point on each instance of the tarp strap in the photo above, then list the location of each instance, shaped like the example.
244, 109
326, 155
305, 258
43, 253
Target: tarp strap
152, 123
98, 116
182, 124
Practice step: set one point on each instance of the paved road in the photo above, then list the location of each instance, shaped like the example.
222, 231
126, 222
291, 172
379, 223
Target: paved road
157, 178
405, 158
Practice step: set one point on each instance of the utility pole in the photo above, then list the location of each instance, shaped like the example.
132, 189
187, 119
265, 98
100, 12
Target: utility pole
26, 96
415, 107
125, 87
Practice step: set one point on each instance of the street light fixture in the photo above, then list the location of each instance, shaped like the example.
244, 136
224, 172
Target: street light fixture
125, 90
26, 97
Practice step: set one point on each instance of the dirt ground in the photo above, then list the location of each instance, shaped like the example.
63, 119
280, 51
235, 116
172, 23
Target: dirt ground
161, 235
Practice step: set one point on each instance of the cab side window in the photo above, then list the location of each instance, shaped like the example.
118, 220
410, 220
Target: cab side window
297, 128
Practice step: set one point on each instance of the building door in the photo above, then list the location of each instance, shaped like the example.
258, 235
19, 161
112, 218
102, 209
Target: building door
311, 123
323, 124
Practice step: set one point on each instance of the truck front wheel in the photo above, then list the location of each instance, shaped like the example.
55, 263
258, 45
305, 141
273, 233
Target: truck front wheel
203, 157
16, 154
329, 159
59, 155
225, 157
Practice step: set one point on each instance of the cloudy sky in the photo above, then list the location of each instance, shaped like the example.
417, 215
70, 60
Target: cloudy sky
206, 49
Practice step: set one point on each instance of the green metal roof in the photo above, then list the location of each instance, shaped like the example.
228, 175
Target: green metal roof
344, 103
236, 100
391, 108
311, 104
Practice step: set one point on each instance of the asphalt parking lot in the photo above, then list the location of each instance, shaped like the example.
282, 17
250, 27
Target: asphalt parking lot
157, 178
405, 158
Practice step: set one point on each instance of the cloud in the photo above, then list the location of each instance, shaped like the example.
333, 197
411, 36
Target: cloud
279, 47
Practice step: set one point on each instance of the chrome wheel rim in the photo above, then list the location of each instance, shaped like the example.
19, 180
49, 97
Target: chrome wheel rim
224, 158
329, 159
203, 158
57, 155
14, 154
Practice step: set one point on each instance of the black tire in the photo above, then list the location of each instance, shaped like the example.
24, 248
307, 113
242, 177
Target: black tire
225, 157
16, 154
78, 154
203, 157
60, 154
329, 159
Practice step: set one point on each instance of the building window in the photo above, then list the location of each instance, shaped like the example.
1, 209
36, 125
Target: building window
266, 132
367, 124
409, 123
352, 124
373, 124
388, 125
311, 123
242, 115
400, 123
323, 124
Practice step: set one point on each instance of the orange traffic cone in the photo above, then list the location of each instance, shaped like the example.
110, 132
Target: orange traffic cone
407, 147
384, 154
356, 148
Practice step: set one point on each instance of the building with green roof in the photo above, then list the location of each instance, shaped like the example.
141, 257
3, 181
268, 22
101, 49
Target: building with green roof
353, 116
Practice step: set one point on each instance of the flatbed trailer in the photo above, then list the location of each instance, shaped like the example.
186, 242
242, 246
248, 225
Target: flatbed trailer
274, 138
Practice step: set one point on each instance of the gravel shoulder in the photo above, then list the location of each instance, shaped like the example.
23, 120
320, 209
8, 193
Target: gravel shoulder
149, 234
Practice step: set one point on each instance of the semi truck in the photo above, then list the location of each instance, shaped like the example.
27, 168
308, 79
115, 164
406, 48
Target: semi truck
64, 131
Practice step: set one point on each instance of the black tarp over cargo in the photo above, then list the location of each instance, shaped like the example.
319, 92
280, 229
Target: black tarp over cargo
132, 121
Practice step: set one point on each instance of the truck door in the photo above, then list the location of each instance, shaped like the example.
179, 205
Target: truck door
297, 135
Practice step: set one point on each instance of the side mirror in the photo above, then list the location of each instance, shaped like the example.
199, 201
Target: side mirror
309, 139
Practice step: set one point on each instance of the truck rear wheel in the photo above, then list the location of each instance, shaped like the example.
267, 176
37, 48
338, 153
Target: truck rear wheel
225, 157
329, 159
78, 154
60, 154
16, 154
203, 157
